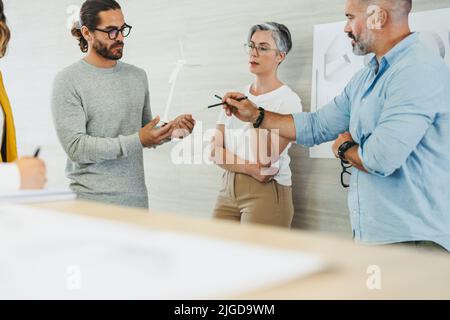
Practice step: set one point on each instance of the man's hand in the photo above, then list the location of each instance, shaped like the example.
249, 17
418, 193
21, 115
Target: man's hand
352, 155
247, 111
33, 174
343, 137
183, 126
244, 110
152, 136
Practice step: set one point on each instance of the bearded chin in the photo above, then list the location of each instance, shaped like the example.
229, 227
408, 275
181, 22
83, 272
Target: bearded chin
363, 47
360, 49
106, 53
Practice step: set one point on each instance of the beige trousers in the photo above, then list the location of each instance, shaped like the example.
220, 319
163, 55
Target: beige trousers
244, 199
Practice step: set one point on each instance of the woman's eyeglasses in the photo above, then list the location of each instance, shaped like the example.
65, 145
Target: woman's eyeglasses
345, 174
260, 50
113, 33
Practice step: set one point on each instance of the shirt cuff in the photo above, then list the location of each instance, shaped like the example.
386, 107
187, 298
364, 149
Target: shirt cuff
10, 174
369, 170
303, 129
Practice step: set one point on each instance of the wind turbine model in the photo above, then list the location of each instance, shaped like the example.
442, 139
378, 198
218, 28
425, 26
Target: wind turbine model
173, 81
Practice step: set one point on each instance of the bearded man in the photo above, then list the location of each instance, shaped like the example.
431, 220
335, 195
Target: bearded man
102, 115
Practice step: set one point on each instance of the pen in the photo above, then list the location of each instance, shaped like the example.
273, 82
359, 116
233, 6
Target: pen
36, 153
222, 103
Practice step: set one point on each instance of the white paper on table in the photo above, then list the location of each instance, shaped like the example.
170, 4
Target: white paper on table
53, 255
36, 196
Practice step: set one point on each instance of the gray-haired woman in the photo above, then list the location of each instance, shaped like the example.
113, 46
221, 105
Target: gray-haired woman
257, 182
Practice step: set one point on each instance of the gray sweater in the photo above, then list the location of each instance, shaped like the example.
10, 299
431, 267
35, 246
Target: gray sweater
97, 114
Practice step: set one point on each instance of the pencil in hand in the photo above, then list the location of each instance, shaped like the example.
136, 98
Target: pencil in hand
222, 103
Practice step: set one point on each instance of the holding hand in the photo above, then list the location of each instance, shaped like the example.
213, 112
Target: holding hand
150, 135
343, 137
183, 126
261, 173
33, 173
244, 110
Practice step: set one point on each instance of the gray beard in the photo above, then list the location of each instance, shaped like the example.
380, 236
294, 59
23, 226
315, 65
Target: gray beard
361, 49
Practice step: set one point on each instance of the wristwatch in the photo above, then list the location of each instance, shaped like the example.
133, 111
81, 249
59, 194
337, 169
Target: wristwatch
343, 148
260, 118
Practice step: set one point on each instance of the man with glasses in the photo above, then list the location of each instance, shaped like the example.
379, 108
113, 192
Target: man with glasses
102, 112
392, 124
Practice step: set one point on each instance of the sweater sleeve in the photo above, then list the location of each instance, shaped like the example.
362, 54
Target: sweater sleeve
147, 111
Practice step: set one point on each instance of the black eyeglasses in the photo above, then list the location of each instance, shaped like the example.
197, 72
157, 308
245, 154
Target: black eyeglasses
113, 33
345, 179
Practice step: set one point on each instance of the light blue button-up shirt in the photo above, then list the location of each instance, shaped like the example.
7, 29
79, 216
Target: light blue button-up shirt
398, 111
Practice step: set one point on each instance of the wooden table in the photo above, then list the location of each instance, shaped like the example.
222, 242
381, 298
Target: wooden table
405, 273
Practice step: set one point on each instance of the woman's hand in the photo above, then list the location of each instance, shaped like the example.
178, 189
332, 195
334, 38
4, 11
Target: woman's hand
261, 173
33, 173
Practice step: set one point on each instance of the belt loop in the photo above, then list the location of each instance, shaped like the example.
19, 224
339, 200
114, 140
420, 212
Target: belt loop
228, 183
233, 185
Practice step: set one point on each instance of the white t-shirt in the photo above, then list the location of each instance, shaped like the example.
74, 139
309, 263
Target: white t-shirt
237, 133
9, 173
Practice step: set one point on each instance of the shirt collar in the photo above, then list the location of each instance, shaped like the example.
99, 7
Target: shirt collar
394, 54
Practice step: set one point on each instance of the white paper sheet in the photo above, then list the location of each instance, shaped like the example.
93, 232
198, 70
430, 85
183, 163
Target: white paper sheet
53, 255
37, 196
